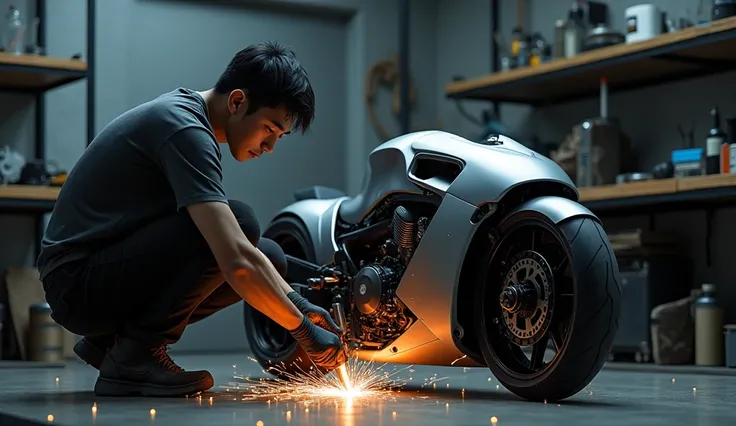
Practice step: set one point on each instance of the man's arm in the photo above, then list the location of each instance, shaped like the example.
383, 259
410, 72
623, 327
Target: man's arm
245, 268
190, 159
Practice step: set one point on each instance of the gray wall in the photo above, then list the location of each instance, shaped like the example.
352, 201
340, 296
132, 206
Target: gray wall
146, 47
649, 116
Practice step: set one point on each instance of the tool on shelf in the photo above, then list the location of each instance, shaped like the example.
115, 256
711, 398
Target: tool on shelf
687, 161
688, 137
540, 51
34, 48
633, 177
600, 137
602, 36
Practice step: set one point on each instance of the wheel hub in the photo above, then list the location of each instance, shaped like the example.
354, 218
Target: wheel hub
519, 297
526, 298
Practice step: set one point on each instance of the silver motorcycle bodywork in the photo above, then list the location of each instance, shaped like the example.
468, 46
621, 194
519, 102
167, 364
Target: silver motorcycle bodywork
429, 285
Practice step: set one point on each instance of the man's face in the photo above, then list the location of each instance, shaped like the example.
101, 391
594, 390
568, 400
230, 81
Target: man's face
250, 136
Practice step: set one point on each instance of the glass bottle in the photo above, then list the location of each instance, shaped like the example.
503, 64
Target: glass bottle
13, 32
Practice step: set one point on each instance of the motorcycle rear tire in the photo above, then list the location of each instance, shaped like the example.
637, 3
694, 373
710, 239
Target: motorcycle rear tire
287, 357
596, 314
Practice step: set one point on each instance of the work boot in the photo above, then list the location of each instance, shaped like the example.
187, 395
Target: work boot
130, 368
92, 350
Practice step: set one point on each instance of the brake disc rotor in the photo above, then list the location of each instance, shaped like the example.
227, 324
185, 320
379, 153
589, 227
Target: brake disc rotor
527, 298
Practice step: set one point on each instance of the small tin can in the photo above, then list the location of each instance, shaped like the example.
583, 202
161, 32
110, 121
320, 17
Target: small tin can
46, 338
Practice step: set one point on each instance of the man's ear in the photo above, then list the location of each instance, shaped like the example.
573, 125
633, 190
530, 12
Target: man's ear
237, 101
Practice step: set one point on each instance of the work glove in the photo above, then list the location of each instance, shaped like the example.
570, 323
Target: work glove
317, 315
323, 347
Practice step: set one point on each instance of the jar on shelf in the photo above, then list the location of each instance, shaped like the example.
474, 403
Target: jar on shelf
13, 32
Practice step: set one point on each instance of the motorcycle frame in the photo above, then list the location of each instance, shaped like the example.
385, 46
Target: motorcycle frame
431, 283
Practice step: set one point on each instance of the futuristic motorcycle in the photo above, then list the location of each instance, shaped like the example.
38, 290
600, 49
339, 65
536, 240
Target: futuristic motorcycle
458, 253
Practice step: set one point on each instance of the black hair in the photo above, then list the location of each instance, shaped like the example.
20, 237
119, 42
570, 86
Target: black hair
272, 77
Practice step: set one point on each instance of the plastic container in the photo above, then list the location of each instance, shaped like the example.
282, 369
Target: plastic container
709, 339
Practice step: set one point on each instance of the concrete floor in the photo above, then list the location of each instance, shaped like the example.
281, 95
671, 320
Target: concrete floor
614, 398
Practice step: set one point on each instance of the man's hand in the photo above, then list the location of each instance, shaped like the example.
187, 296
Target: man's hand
316, 314
323, 347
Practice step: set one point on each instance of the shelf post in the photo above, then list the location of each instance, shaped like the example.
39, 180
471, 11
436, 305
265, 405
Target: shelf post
40, 97
40, 124
495, 61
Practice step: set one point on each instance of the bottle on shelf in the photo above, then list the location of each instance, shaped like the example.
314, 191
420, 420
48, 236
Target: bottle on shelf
13, 32
716, 137
574, 31
709, 338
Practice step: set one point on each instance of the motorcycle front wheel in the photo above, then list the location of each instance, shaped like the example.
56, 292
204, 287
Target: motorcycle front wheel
548, 305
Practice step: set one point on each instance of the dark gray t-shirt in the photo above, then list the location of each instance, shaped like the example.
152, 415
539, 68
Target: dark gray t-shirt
149, 163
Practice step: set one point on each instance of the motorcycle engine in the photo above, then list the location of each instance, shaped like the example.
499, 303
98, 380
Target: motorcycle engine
379, 316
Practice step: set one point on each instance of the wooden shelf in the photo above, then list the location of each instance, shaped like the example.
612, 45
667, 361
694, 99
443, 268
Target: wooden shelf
660, 193
27, 198
692, 52
38, 73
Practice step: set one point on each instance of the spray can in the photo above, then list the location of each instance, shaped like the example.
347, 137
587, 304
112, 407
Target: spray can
708, 328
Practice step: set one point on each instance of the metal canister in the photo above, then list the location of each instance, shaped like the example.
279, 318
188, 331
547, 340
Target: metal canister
709, 339
45, 336
559, 46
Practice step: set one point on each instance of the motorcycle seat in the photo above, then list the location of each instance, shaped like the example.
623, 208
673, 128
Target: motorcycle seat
318, 192
353, 209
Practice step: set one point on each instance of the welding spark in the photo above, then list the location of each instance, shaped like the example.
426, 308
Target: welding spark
461, 358
367, 381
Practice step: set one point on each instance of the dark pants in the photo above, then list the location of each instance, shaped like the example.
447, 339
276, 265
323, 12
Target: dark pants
150, 285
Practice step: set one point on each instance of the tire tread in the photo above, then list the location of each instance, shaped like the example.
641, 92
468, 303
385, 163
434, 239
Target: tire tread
596, 318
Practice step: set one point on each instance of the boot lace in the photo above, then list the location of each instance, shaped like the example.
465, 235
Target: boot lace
165, 360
